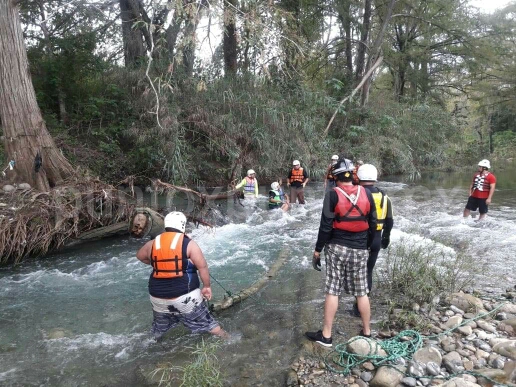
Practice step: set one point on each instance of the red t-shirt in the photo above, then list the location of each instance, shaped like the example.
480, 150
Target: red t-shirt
482, 185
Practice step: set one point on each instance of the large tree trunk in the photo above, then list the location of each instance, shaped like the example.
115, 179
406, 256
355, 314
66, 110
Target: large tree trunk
25, 134
230, 39
134, 49
364, 36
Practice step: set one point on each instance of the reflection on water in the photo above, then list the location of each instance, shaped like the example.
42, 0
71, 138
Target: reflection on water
81, 317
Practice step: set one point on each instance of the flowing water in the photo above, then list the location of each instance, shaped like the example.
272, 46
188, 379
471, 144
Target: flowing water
82, 317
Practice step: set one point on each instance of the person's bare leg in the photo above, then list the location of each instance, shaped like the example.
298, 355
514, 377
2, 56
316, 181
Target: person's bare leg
466, 212
365, 313
331, 305
218, 331
482, 216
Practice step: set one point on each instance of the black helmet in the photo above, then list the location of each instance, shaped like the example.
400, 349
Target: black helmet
342, 166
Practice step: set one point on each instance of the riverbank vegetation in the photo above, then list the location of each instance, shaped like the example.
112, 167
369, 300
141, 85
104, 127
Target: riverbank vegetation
194, 92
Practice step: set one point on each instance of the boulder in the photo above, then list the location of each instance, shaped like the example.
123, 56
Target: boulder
388, 377
459, 382
428, 354
453, 322
506, 348
8, 188
24, 186
466, 302
486, 326
365, 346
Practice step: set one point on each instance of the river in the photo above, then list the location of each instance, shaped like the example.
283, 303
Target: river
81, 317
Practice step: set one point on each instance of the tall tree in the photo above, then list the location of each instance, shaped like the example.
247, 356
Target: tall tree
230, 38
134, 49
26, 139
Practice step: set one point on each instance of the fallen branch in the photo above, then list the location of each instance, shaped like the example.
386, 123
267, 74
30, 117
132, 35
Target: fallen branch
364, 79
254, 288
203, 198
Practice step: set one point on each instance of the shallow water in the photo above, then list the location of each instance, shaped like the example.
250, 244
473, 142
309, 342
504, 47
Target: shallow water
81, 317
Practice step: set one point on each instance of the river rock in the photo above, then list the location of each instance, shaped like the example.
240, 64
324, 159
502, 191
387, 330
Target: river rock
456, 310
387, 377
486, 326
511, 322
453, 322
466, 302
448, 344
8, 188
416, 369
24, 186
411, 382
452, 361
365, 346
501, 316
508, 308
428, 354
433, 368
498, 375
506, 328
465, 330
459, 382
510, 371
292, 379
366, 376
506, 348
480, 354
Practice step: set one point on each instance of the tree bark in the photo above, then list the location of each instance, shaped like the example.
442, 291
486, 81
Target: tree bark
230, 40
364, 36
25, 134
134, 49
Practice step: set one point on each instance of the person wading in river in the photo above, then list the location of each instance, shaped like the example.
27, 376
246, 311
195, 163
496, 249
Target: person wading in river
329, 179
249, 184
277, 199
367, 175
481, 190
297, 180
348, 225
174, 284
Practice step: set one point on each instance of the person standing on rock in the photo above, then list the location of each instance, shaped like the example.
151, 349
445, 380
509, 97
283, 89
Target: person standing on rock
174, 285
368, 175
481, 190
348, 225
297, 180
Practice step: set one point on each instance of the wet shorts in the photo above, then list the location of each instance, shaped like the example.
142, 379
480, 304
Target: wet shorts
476, 203
346, 268
197, 320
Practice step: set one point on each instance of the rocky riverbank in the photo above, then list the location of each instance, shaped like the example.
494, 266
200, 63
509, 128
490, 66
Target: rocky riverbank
470, 341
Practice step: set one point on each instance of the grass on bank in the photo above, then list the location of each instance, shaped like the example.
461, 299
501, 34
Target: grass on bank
417, 273
202, 371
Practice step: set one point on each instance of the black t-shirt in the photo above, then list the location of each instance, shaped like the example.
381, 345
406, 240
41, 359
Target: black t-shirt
297, 184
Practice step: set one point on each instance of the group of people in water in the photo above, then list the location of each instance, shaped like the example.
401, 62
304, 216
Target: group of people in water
356, 222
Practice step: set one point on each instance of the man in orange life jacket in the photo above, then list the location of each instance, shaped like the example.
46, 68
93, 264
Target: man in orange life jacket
348, 225
174, 283
297, 180
481, 190
368, 174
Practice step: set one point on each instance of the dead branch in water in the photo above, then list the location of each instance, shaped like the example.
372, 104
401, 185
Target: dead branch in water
33, 223
203, 198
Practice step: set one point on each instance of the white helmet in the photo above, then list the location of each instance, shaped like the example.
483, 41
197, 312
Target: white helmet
176, 220
335, 157
484, 163
275, 186
250, 172
367, 172
296, 162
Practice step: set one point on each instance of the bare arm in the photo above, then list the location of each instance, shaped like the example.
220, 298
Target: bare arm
144, 254
241, 184
197, 257
491, 192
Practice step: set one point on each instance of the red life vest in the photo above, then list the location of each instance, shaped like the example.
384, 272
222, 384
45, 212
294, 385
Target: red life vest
297, 175
167, 255
351, 209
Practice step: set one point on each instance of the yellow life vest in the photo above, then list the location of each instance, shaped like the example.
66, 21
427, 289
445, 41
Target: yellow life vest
380, 201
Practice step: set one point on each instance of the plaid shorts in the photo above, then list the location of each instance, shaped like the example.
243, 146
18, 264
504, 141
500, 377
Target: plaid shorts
348, 267
199, 320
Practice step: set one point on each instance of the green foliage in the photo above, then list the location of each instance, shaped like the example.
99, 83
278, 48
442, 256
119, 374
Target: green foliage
504, 143
417, 272
202, 371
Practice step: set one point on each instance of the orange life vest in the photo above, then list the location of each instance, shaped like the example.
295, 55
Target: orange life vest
297, 175
167, 255
351, 209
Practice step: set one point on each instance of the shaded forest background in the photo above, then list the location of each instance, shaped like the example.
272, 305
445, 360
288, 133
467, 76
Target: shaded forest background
132, 87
